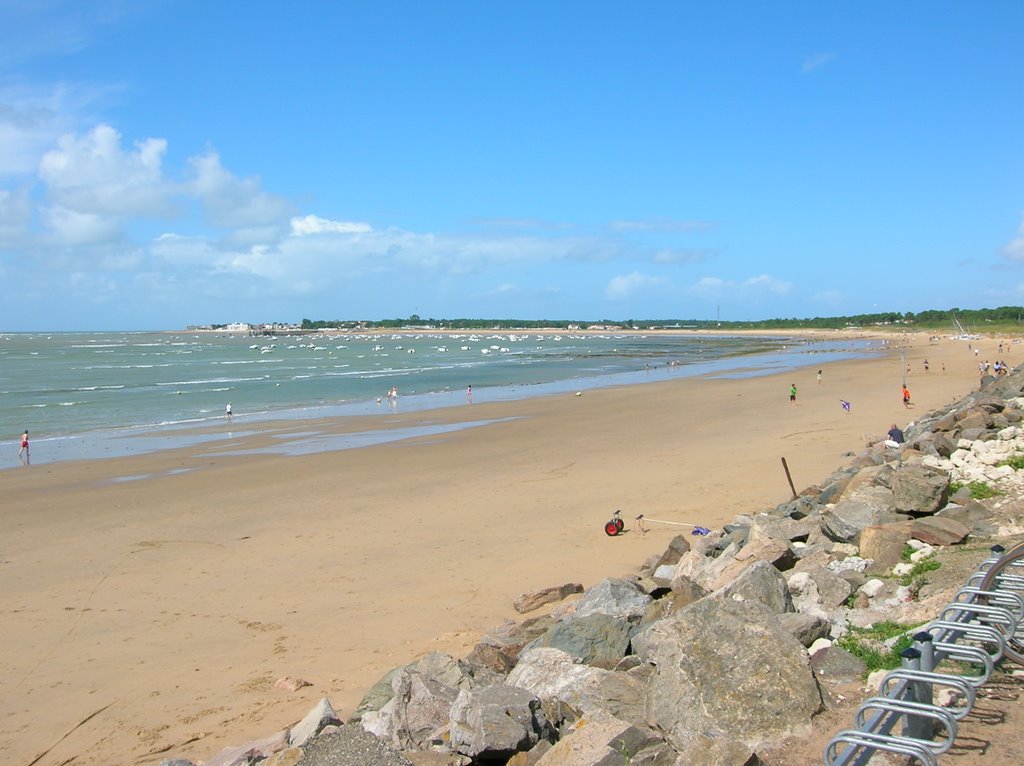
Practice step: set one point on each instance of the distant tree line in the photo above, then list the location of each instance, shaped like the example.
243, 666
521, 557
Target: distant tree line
947, 320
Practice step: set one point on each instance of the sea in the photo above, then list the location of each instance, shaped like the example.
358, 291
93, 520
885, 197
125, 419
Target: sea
135, 392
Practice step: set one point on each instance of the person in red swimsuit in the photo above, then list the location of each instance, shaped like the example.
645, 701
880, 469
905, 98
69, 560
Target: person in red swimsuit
23, 455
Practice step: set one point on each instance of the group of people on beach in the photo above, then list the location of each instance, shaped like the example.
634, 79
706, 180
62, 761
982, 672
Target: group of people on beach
999, 368
846, 404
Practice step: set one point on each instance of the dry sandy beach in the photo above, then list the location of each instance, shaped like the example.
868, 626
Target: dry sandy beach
168, 592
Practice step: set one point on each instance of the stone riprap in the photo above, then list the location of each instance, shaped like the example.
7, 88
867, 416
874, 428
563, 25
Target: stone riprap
710, 651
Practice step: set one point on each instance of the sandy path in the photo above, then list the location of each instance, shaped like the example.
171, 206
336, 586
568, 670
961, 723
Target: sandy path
179, 599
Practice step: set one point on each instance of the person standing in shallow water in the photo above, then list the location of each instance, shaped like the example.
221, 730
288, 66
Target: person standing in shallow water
23, 453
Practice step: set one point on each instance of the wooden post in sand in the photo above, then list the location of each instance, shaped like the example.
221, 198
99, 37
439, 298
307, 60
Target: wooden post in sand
789, 478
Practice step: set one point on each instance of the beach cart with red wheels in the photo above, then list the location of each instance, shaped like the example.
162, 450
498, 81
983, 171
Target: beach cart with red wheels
614, 525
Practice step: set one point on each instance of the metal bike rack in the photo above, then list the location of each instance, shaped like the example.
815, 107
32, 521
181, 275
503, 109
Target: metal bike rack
965, 632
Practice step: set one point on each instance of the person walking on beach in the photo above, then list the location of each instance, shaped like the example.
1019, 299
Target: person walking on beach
23, 454
819, 377
792, 393
227, 411
906, 396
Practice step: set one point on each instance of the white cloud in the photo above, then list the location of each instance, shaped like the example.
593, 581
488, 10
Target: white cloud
232, 202
763, 282
312, 224
180, 250
31, 120
710, 286
93, 174
97, 192
68, 227
1014, 249
625, 286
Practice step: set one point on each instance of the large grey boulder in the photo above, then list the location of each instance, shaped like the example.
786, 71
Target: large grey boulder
615, 597
600, 739
777, 552
717, 750
677, 546
807, 628
312, 723
919, 489
596, 639
441, 668
704, 570
972, 514
419, 708
499, 649
760, 582
832, 589
535, 599
837, 664
806, 599
939, 530
377, 696
865, 506
884, 545
552, 675
780, 528
495, 722
243, 755
726, 668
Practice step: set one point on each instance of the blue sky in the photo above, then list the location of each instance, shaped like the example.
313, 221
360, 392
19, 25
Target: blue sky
165, 163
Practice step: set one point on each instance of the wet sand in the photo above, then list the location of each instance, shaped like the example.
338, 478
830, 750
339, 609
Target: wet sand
169, 591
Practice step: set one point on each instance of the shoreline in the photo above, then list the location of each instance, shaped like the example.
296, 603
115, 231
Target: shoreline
135, 438
180, 597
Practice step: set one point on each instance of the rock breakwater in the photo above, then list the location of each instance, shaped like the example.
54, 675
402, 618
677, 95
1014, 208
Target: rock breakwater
713, 650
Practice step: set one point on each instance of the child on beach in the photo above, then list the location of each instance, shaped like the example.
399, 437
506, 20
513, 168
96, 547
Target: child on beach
906, 396
792, 393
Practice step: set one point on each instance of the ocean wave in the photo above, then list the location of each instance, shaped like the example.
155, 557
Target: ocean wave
207, 381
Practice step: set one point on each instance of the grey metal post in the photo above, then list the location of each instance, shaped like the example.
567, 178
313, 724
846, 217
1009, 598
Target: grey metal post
914, 726
923, 644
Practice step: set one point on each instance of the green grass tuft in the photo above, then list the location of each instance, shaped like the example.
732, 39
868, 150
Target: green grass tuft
1016, 462
869, 644
916, 576
979, 489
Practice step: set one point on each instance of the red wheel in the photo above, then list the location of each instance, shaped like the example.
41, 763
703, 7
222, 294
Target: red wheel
612, 528
620, 524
